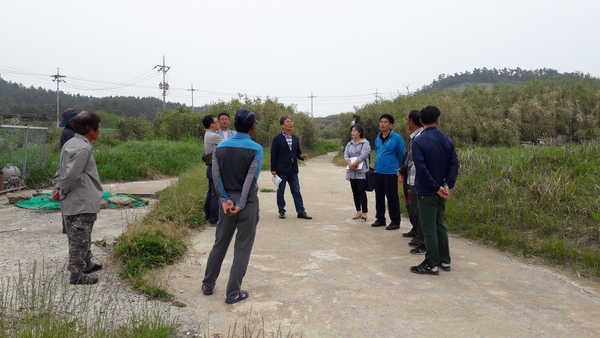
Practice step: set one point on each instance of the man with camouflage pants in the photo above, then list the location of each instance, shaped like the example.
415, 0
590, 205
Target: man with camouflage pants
79, 191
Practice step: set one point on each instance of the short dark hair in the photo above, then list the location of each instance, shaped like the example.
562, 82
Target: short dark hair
415, 117
242, 127
283, 118
223, 113
430, 114
207, 121
86, 121
359, 129
388, 117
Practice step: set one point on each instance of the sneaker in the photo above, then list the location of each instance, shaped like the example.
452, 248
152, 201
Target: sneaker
414, 244
392, 226
425, 269
282, 214
82, 279
411, 233
92, 268
418, 251
445, 266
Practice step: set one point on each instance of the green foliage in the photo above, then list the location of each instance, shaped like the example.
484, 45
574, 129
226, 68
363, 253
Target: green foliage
178, 124
149, 250
540, 201
268, 112
108, 120
546, 108
133, 128
135, 160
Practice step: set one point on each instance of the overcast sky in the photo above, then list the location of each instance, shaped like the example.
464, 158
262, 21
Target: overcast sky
342, 52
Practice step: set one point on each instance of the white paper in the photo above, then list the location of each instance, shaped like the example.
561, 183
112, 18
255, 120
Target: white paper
359, 166
276, 181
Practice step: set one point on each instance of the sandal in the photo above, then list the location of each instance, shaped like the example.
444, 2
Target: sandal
207, 291
241, 296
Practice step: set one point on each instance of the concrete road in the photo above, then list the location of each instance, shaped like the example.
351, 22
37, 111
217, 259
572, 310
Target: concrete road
337, 277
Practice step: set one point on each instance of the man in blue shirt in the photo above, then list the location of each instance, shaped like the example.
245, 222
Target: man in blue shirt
389, 152
237, 189
436, 166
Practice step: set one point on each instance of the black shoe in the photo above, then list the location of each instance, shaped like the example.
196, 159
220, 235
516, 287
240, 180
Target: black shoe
418, 250
378, 223
392, 226
304, 215
92, 268
414, 244
282, 214
425, 269
82, 279
445, 266
411, 233
207, 290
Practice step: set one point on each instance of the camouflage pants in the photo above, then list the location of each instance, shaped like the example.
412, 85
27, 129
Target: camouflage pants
79, 231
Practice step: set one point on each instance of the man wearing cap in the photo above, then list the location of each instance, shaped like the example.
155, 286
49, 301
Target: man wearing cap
67, 134
237, 188
67, 122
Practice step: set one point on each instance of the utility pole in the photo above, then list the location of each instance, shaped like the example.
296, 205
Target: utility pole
163, 85
192, 90
376, 95
58, 79
311, 104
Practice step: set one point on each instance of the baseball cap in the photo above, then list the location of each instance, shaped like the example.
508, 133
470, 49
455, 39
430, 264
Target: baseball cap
68, 116
245, 116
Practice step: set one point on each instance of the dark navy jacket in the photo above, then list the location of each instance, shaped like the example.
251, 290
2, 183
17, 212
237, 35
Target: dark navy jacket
283, 160
435, 160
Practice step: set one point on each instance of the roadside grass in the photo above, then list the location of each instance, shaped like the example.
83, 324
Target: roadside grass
41, 303
540, 202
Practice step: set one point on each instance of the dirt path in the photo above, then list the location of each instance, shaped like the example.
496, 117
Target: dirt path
337, 277
333, 276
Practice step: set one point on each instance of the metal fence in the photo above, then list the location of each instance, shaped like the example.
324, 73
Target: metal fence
23, 147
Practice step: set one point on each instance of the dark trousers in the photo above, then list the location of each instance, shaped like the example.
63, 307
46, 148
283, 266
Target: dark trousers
292, 180
410, 197
243, 225
211, 203
359, 194
386, 186
431, 213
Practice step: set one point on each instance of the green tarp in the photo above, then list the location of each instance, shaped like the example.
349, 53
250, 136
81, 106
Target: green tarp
45, 201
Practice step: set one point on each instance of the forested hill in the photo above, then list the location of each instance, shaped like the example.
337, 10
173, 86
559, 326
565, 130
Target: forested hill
487, 76
18, 100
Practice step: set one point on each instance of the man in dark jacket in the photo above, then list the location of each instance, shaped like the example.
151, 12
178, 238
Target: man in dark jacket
285, 153
436, 167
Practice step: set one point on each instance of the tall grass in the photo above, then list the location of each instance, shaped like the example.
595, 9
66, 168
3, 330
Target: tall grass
135, 160
41, 303
540, 202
